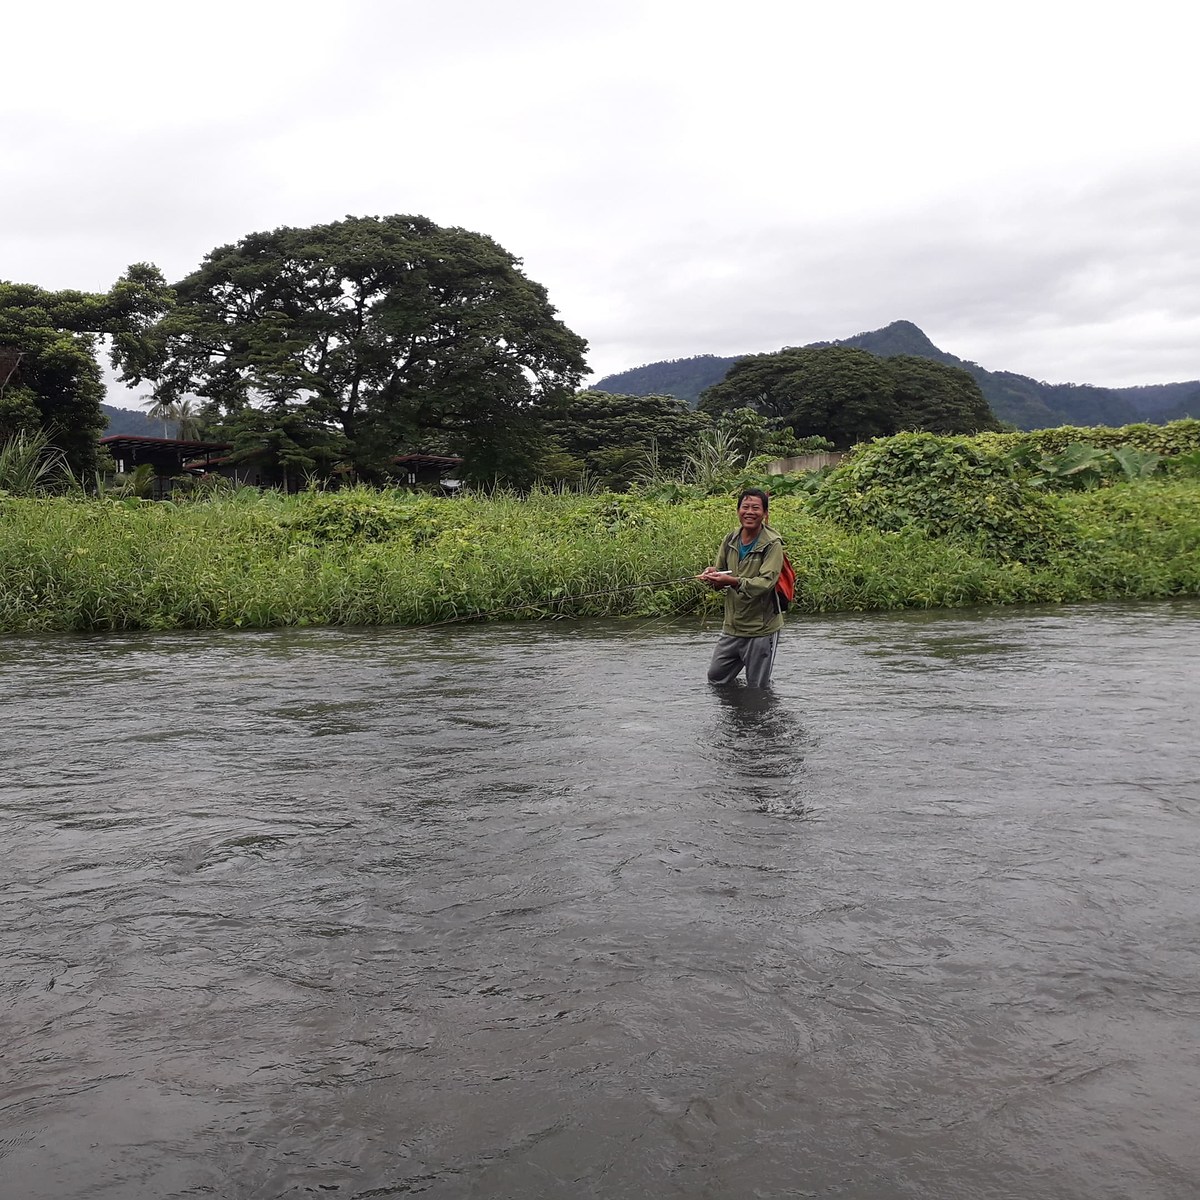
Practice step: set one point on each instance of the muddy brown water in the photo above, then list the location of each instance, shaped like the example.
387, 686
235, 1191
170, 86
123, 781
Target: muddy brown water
530, 911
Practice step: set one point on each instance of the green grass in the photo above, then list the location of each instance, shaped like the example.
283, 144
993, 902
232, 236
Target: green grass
368, 558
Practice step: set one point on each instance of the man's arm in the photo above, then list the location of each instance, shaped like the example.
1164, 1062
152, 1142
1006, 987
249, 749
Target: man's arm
717, 576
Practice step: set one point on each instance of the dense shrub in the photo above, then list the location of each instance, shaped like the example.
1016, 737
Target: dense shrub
1183, 466
364, 515
944, 487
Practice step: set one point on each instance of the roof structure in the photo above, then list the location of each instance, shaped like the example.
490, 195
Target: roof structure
131, 442
165, 455
427, 460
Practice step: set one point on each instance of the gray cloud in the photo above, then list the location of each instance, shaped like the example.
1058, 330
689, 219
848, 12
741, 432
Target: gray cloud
1096, 281
683, 177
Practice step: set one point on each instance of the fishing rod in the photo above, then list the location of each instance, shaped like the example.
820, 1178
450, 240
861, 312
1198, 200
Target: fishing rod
509, 608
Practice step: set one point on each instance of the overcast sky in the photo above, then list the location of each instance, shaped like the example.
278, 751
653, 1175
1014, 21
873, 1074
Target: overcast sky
684, 176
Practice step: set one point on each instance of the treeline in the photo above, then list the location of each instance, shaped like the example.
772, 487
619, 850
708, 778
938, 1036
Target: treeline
325, 352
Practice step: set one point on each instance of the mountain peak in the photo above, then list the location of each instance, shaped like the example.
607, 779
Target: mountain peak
1020, 401
900, 337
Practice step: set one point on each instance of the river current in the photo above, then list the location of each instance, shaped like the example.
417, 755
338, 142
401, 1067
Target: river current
531, 911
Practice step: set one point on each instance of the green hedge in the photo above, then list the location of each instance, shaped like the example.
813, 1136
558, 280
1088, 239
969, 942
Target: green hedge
1176, 437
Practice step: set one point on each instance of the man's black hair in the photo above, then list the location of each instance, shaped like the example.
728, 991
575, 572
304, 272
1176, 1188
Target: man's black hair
763, 496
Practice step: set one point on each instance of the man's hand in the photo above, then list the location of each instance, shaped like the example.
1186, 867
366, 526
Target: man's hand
717, 579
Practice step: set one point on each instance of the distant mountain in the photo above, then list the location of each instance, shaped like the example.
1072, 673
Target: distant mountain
1017, 399
1165, 401
683, 378
1185, 408
129, 420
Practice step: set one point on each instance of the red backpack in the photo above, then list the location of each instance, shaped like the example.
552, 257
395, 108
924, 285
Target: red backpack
785, 585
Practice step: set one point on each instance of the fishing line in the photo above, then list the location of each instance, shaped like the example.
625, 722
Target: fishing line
511, 608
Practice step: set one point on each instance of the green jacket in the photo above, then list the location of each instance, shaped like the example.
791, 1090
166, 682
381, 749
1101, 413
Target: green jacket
751, 609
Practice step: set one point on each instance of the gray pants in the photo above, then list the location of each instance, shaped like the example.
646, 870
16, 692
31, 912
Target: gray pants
731, 654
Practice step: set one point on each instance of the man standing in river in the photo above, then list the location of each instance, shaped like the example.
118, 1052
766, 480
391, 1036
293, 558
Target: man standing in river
747, 568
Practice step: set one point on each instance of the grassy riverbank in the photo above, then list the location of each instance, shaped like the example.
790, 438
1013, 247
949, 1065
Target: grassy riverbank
362, 558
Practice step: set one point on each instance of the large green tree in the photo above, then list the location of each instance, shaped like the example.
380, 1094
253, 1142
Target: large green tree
55, 382
399, 333
935, 397
849, 395
612, 435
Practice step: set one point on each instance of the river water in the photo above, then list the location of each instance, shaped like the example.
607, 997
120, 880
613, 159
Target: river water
530, 911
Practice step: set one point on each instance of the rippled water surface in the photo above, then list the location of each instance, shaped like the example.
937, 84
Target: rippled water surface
530, 911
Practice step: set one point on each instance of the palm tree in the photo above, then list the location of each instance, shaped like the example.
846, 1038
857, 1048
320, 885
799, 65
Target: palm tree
188, 416
160, 409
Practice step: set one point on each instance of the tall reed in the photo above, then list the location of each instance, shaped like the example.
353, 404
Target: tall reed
31, 465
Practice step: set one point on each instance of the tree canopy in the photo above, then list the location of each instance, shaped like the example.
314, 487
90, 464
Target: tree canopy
286, 445
398, 333
937, 398
56, 385
611, 435
849, 395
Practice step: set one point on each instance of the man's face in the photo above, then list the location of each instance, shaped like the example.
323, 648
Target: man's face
750, 514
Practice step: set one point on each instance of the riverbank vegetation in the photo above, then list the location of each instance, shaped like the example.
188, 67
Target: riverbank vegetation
911, 521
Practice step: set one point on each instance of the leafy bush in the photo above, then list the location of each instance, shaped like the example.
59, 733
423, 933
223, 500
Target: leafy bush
363, 515
618, 513
671, 491
944, 487
1081, 466
799, 483
1184, 466
1138, 540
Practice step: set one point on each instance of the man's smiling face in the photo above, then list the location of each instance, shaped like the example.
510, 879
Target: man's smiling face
751, 516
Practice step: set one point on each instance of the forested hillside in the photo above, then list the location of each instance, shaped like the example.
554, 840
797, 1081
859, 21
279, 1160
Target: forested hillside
1016, 399
683, 378
129, 420
1165, 401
